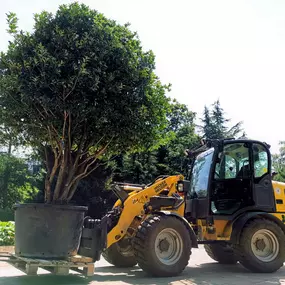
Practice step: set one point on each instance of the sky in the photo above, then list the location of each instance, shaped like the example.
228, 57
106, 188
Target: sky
208, 50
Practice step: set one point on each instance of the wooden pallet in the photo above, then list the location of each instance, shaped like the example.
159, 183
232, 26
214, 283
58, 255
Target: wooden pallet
30, 266
7, 249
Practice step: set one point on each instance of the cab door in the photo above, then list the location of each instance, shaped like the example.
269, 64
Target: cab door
263, 192
232, 183
197, 199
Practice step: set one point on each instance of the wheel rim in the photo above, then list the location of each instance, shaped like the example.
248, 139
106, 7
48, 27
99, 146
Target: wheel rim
125, 248
168, 246
265, 245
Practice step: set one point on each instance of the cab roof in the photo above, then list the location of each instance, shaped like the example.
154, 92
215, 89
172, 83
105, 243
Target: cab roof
210, 143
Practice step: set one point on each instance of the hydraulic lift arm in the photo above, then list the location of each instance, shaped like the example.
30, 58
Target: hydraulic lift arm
137, 203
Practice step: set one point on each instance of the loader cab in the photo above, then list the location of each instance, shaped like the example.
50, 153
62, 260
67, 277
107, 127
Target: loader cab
230, 177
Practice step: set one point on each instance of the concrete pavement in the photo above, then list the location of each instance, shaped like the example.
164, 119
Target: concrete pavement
201, 270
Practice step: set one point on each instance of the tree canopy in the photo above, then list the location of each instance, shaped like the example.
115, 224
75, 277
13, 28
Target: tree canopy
169, 158
215, 124
80, 87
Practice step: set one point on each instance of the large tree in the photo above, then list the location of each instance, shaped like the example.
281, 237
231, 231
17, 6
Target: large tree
215, 125
80, 87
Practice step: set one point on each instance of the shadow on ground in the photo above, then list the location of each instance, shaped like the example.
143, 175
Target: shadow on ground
45, 279
206, 274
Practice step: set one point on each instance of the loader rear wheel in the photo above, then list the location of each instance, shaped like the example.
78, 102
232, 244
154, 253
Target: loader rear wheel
221, 253
261, 247
120, 254
162, 246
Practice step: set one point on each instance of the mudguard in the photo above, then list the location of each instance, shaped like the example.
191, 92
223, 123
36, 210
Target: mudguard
240, 221
188, 226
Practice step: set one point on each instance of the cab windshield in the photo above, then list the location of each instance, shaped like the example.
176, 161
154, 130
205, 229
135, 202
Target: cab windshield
200, 174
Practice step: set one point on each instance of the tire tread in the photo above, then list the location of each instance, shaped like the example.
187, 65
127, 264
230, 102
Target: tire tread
141, 244
246, 259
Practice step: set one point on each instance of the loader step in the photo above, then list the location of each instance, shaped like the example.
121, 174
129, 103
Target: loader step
30, 266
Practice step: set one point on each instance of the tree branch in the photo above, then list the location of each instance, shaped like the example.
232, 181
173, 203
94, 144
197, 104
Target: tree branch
75, 184
73, 169
69, 133
55, 165
74, 85
91, 143
60, 178
86, 173
47, 190
64, 124
46, 162
53, 137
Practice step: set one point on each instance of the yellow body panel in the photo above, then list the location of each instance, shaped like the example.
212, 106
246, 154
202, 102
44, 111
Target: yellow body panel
224, 227
280, 216
134, 206
279, 192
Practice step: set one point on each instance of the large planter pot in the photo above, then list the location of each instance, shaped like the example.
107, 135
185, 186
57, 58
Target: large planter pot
48, 231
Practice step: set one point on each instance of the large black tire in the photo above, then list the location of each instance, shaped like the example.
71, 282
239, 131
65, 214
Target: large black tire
162, 246
117, 256
221, 253
261, 236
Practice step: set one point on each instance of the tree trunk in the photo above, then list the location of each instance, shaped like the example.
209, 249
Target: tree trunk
61, 176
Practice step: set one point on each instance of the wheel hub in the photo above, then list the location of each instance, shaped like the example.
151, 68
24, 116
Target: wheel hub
124, 247
168, 246
265, 245
260, 244
164, 245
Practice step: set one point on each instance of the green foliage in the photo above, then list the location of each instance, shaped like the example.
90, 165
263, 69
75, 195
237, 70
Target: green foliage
17, 184
7, 233
6, 215
169, 158
81, 88
12, 22
278, 163
215, 124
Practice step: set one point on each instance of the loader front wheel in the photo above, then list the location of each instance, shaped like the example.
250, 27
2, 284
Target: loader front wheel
120, 254
162, 246
221, 253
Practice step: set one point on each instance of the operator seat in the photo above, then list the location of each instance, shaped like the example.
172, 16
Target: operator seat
244, 172
236, 193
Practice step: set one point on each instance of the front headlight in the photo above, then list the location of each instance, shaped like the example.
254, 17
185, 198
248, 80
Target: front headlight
180, 187
183, 186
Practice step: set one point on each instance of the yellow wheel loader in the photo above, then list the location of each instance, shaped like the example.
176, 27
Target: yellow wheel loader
228, 202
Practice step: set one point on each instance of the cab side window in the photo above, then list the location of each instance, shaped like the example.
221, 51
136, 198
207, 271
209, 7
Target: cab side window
260, 158
233, 162
230, 167
226, 168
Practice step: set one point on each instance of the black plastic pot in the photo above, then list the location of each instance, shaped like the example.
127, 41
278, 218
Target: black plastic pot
48, 231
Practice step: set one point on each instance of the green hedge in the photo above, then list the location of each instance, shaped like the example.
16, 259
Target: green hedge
6, 216
7, 233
